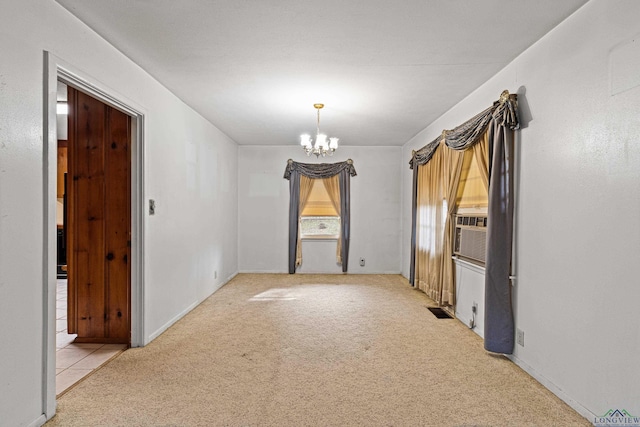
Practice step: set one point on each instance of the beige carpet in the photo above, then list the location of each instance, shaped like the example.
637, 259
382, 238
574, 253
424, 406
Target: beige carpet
313, 350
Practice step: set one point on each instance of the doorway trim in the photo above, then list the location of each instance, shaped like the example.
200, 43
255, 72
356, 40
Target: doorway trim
55, 69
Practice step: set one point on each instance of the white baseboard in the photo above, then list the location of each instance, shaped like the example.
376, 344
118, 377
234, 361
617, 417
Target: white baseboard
262, 272
317, 272
170, 323
184, 312
553, 388
228, 279
38, 421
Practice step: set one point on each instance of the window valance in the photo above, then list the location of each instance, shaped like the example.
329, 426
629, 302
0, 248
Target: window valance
503, 112
319, 170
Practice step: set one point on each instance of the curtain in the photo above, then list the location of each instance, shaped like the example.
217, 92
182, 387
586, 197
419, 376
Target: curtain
499, 326
481, 154
498, 122
306, 185
345, 216
332, 185
293, 172
438, 182
294, 215
414, 222
319, 170
503, 112
430, 227
451, 168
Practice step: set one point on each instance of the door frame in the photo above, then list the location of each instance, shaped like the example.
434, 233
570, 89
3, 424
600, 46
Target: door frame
56, 69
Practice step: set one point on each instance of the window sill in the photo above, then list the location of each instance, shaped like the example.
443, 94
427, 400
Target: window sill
319, 237
471, 265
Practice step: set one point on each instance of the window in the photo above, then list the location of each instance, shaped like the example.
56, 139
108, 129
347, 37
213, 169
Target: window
320, 227
319, 219
470, 233
335, 180
472, 194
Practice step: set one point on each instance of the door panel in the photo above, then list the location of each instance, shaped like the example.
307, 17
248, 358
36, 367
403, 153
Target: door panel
99, 221
87, 200
118, 214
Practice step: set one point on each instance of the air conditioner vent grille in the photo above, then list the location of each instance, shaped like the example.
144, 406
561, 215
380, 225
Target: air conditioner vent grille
470, 237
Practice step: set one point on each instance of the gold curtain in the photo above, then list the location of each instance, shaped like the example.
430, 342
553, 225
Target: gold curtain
436, 201
481, 153
332, 185
430, 226
452, 166
306, 185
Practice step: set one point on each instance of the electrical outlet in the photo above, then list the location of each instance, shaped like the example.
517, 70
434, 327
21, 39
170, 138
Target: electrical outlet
215, 274
474, 308
152, 207
520, 337
361, 262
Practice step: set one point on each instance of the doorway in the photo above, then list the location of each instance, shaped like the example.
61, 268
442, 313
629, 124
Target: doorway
55, 70
93, 219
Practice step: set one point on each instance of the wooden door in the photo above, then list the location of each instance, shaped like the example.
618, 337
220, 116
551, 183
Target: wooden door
99, 215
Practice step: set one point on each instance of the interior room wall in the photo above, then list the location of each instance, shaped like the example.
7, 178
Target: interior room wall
190, 172
263, 200
577, 234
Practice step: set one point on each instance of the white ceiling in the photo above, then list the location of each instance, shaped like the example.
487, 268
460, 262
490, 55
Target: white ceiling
384, 69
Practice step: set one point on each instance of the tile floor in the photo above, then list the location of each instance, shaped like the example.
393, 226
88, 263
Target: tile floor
75, 361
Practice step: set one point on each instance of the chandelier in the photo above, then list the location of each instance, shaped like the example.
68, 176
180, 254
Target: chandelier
321, 147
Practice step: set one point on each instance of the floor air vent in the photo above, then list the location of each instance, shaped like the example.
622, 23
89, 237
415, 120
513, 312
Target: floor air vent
439, 313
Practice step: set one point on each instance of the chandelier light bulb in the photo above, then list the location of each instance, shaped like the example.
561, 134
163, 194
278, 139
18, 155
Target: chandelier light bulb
321, 141
305, 140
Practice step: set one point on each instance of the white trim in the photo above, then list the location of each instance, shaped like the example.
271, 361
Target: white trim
374, 272
138, 244
56, 69
186, 311
38, 421
68, 75
173, 320
553, 388
263, 272
327, 237
228, 279
49, 178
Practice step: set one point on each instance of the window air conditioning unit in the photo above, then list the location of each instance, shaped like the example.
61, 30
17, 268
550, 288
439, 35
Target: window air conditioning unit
470, 237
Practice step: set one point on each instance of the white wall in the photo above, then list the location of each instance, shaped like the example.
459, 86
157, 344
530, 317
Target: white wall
577, 230
190, 172
263, 199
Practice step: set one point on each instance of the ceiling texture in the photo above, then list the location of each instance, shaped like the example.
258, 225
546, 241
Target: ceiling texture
384, 70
